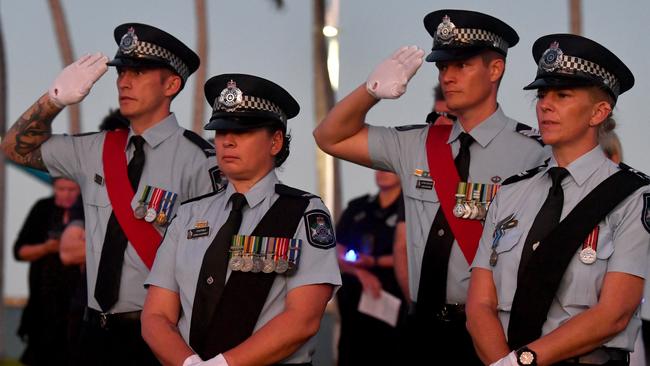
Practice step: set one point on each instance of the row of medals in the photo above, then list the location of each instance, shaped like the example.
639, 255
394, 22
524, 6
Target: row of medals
473, 199
157, 208
264, 254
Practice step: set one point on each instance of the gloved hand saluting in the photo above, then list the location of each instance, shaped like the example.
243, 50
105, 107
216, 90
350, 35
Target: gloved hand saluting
74, 82
389, 79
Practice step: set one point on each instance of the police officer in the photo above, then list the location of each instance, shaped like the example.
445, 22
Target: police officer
127, 206
434, 164
367, 228
243, 276
560, 270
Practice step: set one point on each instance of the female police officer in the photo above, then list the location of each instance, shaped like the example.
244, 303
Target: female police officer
565, 291
243, 275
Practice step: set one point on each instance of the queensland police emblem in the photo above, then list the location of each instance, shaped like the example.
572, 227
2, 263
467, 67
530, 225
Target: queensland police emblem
446, 31
129, 41
551, 58
231, 96
320, 232
645, 215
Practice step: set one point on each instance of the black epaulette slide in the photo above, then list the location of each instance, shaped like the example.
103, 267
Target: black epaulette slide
530, 132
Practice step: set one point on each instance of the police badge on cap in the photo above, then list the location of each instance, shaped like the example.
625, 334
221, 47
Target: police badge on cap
129, 42
568, 60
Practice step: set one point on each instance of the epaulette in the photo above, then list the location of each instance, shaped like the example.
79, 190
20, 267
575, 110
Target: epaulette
199, 141
285, 190
410, 127
525, 174
638, 173
85, 134
198, 198
528, 131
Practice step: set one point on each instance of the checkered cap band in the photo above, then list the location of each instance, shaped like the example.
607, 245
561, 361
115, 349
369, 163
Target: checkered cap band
469, 36
571, 65
252, 103
150, 49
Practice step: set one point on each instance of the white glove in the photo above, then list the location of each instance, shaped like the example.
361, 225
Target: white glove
389, 79
195, 360
74, 82
508, 360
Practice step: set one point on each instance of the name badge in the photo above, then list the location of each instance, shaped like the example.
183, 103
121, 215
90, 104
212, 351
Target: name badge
424, 184
198, 232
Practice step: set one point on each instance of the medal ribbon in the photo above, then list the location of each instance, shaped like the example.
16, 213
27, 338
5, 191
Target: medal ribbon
294, 250
155, 198
171, 204
592, 239
443, 171
145, 194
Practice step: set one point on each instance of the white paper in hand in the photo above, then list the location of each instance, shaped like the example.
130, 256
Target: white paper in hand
384, 308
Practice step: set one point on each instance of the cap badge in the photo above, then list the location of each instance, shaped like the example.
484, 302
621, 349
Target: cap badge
231, 96
551, 58
129, 41
446, 32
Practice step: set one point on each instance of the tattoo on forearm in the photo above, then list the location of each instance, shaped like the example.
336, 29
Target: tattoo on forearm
23, 140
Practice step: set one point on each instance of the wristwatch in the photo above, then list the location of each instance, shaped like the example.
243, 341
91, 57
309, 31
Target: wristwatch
526, 357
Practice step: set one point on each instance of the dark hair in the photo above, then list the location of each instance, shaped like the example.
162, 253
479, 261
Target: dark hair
113, 121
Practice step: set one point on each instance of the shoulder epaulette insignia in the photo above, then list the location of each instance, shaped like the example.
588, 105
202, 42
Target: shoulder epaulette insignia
525, 174
199, 141
85, 134
528, 131
638, 173
198, 198
410, 127
218, 181
285, 190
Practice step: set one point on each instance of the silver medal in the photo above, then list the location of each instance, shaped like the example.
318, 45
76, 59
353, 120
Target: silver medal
268, 265
235, 263
151, 215
467, 210
247, 264
140, 211
459, 210
257, 265
588, 255
281, 266
474, 214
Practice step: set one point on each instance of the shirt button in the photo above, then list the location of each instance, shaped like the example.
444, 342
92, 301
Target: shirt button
210, 280
441, 232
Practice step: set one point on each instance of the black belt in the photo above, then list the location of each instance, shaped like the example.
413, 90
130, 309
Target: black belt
108, 320
600, 356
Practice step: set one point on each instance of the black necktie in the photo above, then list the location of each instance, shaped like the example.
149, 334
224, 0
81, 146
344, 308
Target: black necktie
212, 277
547, 218
432, 291
109, 272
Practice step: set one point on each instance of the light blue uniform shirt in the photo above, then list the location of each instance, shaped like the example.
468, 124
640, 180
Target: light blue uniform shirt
622, 243
172, 163
497, 153
179, 259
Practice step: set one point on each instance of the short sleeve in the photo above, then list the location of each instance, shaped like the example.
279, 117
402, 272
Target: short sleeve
318, 264
163, 272
61, 155
384, 147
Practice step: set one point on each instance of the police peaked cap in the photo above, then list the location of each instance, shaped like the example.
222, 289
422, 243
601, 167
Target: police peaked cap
141, 45
243, 102
568, 60
461, 34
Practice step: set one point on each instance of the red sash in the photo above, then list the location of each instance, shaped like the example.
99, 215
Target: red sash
142, 235
445, 177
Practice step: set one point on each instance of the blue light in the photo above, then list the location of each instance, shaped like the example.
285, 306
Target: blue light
351, 256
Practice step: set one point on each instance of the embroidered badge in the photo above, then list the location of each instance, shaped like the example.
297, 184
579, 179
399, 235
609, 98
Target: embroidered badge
218, 183
645, 215
320, 233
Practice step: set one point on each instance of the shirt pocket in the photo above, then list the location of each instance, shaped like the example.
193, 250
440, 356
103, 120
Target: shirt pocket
581, 284
420, 202
504, 272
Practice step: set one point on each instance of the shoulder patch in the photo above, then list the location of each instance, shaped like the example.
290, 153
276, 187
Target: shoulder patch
285, 190
525, 174
198, 198
85, 134
640, 174
320, 232
218, 181
645, 214
199, 141
410, 127
530, 132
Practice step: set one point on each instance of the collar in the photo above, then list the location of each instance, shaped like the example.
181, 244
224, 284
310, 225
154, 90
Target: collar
159, 132
264, 188
585, 166
485, 131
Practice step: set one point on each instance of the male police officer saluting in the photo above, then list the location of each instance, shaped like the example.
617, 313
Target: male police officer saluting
127, 206
445, 192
